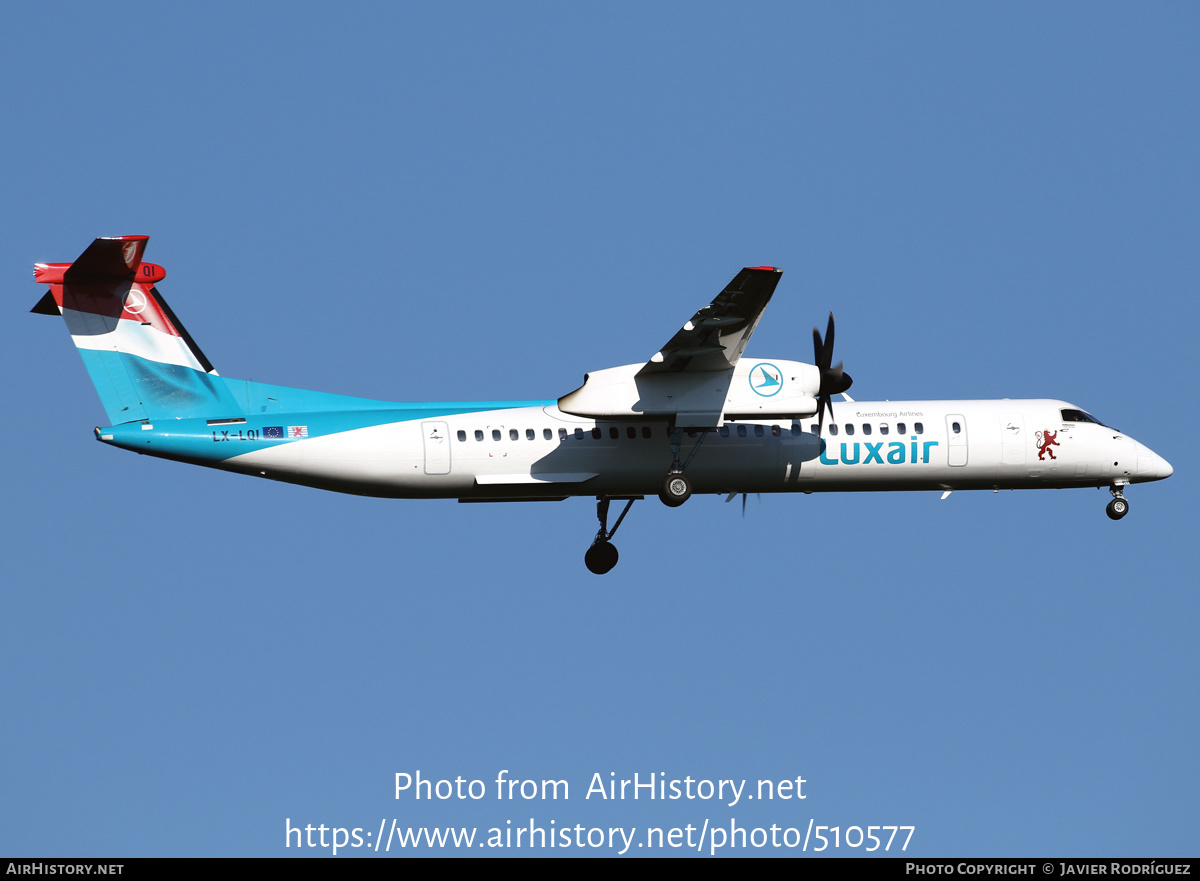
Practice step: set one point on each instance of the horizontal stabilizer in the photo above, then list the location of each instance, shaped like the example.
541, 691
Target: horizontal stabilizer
46, 306
110, 259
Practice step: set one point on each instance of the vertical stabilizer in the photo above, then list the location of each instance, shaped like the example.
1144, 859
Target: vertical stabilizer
142, 361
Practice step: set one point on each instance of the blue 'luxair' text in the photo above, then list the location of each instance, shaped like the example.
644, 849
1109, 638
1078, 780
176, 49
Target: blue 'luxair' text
897, 453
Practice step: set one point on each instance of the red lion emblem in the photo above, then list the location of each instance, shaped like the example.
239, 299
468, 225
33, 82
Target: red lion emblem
1046, 440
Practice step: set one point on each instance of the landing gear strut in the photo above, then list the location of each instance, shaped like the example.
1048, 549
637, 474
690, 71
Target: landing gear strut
677, 489
1118, 507
602, 555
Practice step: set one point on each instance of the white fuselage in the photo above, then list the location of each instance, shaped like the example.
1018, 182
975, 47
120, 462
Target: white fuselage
528, 453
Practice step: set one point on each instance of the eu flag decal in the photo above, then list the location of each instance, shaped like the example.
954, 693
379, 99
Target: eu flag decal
274, 432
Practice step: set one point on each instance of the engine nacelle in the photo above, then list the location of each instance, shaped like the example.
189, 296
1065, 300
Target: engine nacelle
780, 389
755, 389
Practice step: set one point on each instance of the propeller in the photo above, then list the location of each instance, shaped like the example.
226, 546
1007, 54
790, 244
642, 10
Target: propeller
734, 495
834, 380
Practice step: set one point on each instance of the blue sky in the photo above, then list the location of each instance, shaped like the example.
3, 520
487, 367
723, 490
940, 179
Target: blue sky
485, 201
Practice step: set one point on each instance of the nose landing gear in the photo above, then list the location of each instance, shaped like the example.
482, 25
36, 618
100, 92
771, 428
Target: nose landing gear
602, 555
1118, 507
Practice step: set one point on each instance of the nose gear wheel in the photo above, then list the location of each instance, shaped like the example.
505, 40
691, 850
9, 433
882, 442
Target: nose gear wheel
1118, 507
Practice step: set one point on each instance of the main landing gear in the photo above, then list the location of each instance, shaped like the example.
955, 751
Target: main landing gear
677, 489
1118, 507
602, 555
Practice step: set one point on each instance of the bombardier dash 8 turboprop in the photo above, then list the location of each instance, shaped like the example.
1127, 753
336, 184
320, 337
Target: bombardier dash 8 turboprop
696, 417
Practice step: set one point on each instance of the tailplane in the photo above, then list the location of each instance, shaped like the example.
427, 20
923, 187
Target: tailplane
142, 361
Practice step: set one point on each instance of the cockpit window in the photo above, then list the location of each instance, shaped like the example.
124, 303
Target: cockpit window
1079, 416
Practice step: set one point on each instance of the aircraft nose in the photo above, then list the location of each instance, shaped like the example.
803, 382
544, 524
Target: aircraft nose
1152, 466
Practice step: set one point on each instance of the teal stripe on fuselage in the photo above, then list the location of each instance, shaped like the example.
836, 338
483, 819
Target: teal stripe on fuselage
261, 399
181, 400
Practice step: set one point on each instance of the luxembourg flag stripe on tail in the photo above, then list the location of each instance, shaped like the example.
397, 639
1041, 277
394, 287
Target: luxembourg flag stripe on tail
143, 365
140, 329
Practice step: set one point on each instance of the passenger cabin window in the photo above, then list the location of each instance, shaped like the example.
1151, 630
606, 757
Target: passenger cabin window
631, 433
596, 433
547, 434
918, 428
462, 435
741, 430
562, 434
645, 431
956, 428
833, 428
900, 428
849, 428
775, 431
529, 435
513, 434
883, 428
758, 431
579, 434
866, 429
723, 431
495, 434
478, 435
614, 432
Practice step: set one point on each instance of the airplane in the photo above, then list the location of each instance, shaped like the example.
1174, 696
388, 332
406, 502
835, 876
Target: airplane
697, 417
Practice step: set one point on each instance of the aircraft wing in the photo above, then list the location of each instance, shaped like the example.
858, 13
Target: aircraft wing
716, 336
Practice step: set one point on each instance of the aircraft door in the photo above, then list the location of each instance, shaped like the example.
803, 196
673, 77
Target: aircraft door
437, 447
956, 433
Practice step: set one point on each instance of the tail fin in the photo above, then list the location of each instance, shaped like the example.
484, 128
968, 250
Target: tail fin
143, 362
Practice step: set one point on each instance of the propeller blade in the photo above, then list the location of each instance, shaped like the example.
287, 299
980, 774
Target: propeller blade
834, 380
